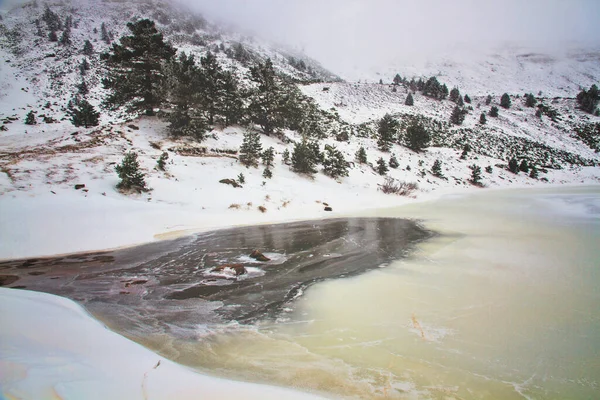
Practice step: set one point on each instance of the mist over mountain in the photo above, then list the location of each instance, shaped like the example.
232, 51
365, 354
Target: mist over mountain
362, 35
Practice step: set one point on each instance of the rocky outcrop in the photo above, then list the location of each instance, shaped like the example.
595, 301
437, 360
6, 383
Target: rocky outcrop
239, 269
258, 256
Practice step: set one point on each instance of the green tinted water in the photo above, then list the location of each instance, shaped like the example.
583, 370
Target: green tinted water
504, 304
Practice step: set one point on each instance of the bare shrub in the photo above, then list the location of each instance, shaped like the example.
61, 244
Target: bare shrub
262, 209
394, 186
235, 206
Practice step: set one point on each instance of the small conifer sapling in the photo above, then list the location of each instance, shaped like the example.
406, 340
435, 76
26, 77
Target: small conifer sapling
30, 118
382, 168
129, 173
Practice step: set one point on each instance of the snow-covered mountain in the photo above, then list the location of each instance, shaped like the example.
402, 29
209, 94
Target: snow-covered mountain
42, 212
510, 68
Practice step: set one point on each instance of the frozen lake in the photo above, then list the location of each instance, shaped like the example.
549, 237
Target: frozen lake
492, 295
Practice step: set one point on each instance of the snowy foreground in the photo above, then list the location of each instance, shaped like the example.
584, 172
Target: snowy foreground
50, 348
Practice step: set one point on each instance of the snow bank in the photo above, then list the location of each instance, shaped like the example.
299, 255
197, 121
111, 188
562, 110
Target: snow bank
51, 348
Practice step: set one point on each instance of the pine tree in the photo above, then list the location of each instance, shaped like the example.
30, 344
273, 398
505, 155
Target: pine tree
534, 173
513, 165
482, 119
524, 167
530, 100
268, 156
104, 34
494, 112
82, 88
465, 152
588, 100
84, 66
30, 118
65, 38
488, 100
409, 100
303, 158
187, 124
88, 48
266, 99
267, 173
475, 174
241, 178
381, 168
489, 169
231, 104
454, 94
334, 163
397, 79
458, 115
393, 162
387, 131
129, 173
52, 36
417, 137
250, 151
135, 76
361, 155
84, 115
162, 161
52, 20
285, 157
183, 89
467, 99
436, 169
212, 85
505, 101
432, 88
460, 101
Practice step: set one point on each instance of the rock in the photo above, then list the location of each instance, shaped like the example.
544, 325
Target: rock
258, 256
79, 186
134, 127
230, 182
328, 209
238, 268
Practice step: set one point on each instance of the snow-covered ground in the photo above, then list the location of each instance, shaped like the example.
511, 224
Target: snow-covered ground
51, 348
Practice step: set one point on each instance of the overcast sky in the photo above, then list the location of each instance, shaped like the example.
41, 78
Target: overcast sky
336, 32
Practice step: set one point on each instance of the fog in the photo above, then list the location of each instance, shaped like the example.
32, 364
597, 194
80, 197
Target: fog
361, 32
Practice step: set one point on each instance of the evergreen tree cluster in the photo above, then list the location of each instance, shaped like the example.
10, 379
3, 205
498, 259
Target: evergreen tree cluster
530, 100
144, 74
434, 89
588, 99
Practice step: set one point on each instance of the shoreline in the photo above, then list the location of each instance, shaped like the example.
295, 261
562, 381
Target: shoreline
34, 366
226, 222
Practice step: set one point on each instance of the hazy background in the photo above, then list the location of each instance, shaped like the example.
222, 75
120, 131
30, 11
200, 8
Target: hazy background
362, 33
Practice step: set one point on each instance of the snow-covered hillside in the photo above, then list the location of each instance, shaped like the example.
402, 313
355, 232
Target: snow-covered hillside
513, 69
49, 71
42, 211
